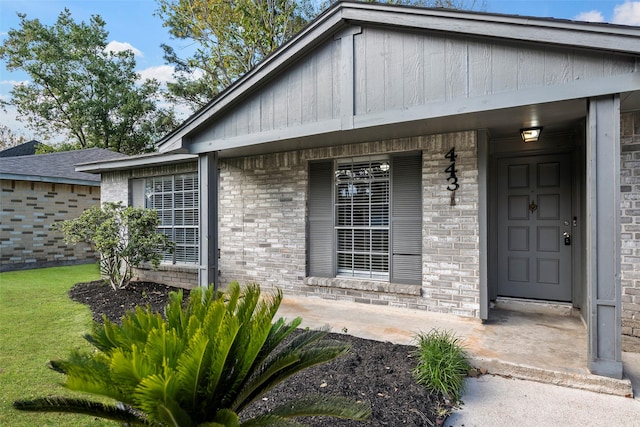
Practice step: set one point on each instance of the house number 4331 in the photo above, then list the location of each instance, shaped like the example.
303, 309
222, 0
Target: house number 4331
452, 178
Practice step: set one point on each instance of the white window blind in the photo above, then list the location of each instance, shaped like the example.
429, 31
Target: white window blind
362, 200
175, 198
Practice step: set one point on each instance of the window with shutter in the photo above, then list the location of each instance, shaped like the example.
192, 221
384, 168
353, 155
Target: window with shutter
365, 218
175, 198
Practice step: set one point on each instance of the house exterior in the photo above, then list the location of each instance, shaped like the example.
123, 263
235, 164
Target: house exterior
377, 157
38, 191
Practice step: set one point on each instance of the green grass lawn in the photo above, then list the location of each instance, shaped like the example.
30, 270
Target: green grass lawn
38, 322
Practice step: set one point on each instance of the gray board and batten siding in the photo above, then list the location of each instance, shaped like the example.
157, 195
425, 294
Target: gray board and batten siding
401, 76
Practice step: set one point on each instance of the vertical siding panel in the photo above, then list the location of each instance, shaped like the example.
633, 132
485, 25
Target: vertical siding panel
294, 96
557, 67
457, 69
243, 117
229, 125
218, 130
588, 66
504, 75
266, 110
530, 68
324, 83
374, 83
434, 69
393, 75
413, 77
479, 69
309, 87
254, 113
618, 65
335, 79
359, 72
585, 67
280, 103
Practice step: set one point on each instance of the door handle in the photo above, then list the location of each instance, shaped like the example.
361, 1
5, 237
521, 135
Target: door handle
567, 238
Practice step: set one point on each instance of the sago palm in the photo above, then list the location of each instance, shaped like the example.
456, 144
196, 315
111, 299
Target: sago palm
199, 365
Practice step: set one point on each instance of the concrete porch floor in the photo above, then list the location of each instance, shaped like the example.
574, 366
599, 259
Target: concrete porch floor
544, 345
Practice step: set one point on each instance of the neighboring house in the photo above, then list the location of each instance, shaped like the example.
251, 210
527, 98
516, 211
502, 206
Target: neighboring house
38, 191
377, 157
25, 149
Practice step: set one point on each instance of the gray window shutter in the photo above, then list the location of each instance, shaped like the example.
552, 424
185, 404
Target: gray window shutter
136, 193
406, 220
321, 251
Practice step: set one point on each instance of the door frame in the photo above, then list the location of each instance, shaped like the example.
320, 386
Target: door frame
569, 142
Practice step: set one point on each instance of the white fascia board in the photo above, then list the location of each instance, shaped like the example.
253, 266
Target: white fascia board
135, 162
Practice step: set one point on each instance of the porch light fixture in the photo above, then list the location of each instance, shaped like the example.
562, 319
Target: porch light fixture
530, 134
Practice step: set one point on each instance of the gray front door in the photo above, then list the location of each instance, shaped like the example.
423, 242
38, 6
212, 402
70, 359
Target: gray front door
534, 213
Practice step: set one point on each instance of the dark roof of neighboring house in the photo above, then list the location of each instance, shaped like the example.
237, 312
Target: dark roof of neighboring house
55, 167
26, 149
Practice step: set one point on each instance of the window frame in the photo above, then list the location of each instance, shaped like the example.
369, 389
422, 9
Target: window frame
355, 242
179, 220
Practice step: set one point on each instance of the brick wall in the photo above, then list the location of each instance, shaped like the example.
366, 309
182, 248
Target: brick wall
115, 188
28, 210
262, 231
630, 224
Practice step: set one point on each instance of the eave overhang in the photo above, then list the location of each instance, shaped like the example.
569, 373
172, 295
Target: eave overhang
137, 162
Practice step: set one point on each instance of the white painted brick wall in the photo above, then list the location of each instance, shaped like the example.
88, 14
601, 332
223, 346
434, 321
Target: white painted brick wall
262, 227
630, 223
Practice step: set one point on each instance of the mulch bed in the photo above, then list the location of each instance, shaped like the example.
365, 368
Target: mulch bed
375, 372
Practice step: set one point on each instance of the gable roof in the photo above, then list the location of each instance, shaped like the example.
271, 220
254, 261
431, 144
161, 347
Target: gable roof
26, 149
55, 167
604, 38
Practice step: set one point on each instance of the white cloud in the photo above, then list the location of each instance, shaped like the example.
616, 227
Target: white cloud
162, 73
116, 46
13, 82
627, 13
590, 16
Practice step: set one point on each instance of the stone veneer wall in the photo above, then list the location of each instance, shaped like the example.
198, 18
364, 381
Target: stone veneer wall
115, 188
28, 210
630, 226
262, 230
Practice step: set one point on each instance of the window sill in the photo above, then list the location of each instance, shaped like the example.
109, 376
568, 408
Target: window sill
363, 285
182, 268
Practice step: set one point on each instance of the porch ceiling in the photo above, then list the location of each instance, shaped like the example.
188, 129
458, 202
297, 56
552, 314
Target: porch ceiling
500, 123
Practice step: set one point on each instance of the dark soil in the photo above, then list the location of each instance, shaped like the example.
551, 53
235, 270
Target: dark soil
375, 372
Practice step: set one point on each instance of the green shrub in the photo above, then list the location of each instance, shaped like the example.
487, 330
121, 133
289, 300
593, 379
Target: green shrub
125, 237
202, 364
442, 364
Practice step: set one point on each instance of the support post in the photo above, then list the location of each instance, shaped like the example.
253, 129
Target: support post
483, 219
208, 215
603, 237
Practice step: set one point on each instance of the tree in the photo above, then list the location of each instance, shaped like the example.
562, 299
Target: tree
80, 90
123, 237
8, 138
231, 37
201, 365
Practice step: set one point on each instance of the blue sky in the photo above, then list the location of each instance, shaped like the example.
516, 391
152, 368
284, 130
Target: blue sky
132, 24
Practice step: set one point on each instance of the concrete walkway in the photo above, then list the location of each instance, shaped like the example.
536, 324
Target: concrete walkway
547, 349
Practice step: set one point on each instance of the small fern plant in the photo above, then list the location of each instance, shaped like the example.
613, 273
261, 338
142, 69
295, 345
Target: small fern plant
201, 364
442, 364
